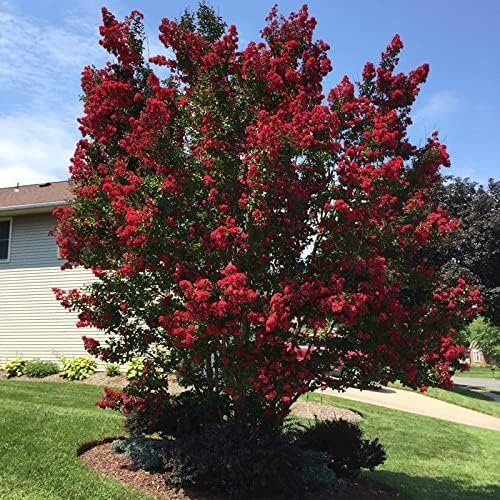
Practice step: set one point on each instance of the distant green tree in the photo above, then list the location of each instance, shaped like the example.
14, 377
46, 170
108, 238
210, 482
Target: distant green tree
486, 336
473, 251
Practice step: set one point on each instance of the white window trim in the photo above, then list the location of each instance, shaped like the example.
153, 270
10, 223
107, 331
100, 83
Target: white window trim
476, 356
10, 219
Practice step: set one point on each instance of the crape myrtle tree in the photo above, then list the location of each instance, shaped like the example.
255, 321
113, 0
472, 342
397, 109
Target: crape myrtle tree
233, 211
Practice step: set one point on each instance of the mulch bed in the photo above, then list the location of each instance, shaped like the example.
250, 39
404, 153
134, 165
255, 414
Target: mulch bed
311, 409
120, 467
98, 378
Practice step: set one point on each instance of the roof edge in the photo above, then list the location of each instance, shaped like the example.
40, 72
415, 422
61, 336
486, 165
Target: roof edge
33, 206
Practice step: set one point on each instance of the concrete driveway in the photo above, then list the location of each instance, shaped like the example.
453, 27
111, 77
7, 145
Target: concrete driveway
413, 402
489, 383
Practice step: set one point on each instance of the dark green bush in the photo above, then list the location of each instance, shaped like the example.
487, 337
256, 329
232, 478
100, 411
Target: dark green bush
40, 369
188, 413
241, 461
146, 453
119, 446
181, 414
344, 446
138, 423
316, 473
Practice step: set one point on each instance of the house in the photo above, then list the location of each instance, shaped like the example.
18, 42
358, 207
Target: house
32, 323
477, 356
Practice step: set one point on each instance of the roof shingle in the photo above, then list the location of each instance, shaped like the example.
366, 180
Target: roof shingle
32, 194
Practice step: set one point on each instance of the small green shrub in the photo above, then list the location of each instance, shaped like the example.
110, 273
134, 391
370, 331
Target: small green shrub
146, 453
15, 367
39, 369
112, 369
343, 444
119, 446
316, 473
78, 367
135, 367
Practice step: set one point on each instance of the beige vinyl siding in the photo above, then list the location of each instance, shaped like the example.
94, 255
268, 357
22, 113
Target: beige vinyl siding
32, 323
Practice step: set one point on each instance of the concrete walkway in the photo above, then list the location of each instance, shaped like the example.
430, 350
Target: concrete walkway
413, 402
489, 383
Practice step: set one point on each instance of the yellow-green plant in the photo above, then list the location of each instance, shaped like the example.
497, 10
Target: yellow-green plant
15, 367
78, 368
135, 367
112, 369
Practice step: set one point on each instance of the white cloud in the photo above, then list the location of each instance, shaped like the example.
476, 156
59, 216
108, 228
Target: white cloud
34, 149
40, 66
41, 61
440, 104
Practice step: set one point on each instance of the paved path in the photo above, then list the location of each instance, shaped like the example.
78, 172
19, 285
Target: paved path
414, 402
489, 383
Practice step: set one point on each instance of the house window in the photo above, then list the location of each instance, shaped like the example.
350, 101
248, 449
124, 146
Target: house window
5, 234
476, 357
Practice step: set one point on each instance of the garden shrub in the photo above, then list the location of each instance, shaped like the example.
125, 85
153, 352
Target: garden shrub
112, 369
316, 473
188, 413
15, 367
39, 368
119, 446
241, 460
146, 453
78, 367
178, 415
135, 367
138, 423
343, 444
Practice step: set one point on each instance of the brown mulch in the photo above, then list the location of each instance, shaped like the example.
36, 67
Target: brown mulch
98, 378
311, 409
120, 467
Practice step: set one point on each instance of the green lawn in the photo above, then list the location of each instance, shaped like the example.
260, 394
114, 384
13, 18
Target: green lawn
462, 397
42, 424
480, 372
428, 458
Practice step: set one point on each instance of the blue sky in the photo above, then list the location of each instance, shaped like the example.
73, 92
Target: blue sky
44, 44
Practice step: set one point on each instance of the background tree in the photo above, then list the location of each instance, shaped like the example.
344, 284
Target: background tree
486, 336
232, 213
473, 251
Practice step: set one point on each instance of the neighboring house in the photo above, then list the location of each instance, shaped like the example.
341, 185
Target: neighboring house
477, 357
32, 323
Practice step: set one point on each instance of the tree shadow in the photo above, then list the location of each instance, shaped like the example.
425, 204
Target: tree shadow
474, 392
428, 488
381, 389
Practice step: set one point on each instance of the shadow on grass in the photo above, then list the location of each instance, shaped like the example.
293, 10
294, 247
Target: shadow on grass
474, 394
434, 488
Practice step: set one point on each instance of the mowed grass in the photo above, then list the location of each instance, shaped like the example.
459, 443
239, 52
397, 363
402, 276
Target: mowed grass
460, 396
480, 372
429, 458
41, 426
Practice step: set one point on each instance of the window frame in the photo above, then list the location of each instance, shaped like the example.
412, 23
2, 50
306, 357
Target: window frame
476, 356
9, 246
